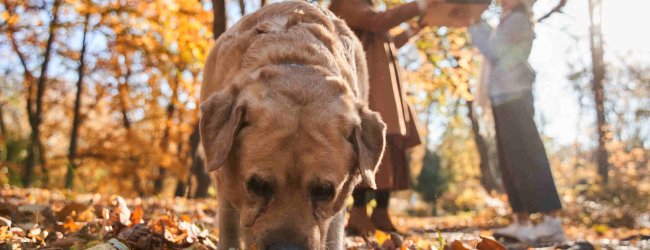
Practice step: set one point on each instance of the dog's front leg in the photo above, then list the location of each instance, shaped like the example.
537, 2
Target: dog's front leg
228, 225
336, 232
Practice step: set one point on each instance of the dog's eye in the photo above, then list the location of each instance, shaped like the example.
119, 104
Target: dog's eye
260, 187
322, 192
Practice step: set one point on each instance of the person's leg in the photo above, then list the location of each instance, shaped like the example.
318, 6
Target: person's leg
380, 216
359, 197
382, 198
359, 221
521, 227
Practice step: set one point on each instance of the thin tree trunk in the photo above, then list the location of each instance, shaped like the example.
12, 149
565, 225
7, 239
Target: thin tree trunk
164, 142
28, 76
598, 67
3, 127
76, 120
426, 128
219, 17
35, 147
123, 95
242, 7
488, 180
262, 3
198, 169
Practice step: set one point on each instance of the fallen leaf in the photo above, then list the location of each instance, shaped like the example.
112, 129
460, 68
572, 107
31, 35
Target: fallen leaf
489, 244
70, 208
70, 225
380, 237
136, 216
122, 211
458, 245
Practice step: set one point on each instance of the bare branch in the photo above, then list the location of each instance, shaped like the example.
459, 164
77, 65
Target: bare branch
558, 9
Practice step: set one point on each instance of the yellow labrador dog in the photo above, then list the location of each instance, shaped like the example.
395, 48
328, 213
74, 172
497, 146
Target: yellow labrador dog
285, 124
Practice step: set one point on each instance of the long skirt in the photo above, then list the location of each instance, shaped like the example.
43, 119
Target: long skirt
525, 168
394, 173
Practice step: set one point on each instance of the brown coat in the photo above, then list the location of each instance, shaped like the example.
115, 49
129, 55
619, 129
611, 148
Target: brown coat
386, 93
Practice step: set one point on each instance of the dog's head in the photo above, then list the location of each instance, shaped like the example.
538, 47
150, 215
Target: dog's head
289, 144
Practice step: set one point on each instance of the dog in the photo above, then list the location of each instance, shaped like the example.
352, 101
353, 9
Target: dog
285, 125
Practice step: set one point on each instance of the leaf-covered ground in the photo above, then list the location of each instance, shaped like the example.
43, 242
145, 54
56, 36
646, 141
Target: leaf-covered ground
35, 218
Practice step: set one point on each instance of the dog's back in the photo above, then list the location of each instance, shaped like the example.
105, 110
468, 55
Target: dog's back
287, 33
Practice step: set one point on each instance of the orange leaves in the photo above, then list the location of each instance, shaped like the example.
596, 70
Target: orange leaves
381, 237
84, 222
122, 213
489, 244
136, 216
163, 222
458, 245
454, 64
484, 244
71, 226
4, 16
179, 229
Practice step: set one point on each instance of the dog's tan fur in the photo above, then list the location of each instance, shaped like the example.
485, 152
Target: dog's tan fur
283, 101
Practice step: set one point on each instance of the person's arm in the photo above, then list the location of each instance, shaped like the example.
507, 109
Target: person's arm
359, 14
403, 38
515, 36
480, 37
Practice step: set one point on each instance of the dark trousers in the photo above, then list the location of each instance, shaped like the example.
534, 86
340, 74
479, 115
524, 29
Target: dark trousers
525, 168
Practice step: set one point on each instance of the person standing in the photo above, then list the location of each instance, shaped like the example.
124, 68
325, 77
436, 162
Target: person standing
386, 97
525, 168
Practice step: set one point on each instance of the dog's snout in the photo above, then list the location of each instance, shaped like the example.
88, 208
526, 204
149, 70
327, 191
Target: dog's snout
286, 246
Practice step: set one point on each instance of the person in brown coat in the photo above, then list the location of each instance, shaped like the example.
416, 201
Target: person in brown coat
387, 98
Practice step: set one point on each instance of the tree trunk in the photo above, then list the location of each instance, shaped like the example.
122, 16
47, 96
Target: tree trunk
164, 142
76, 120
197, 169
123, 95
219, 17
262, 3
35, 117
3, 127
242, 7
181, 189
488, 180
598, 67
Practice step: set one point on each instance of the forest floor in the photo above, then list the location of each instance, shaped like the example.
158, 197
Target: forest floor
37, 218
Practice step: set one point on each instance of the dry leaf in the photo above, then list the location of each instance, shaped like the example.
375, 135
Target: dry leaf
136, 216
122, 211
458, 245
69, 209
380, 237
489, 244
70, 225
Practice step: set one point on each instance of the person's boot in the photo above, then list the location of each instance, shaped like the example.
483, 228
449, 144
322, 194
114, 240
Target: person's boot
359, 223
381, 219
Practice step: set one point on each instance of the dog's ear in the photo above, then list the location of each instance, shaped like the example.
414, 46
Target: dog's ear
220, 120
369, 139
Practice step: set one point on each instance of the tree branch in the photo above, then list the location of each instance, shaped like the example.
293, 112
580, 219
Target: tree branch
557, 9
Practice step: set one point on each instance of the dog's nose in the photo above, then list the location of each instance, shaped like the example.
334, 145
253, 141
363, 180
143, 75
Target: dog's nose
286, 246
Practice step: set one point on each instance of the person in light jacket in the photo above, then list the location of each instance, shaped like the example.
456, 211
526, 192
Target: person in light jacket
525, 168
386, 97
